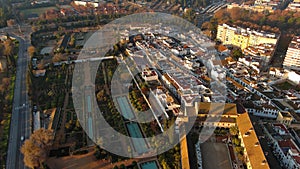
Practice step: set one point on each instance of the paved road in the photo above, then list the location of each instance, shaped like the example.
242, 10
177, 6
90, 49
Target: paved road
20, 120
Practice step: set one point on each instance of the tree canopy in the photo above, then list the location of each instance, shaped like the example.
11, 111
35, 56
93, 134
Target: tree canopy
8, 47
234, 130
236, 54
6, 12
36, 148
273, 22
31, 51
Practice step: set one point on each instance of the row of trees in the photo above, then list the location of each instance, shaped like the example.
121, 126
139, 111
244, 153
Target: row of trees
8, 50
236, 141
49, 91
74, 18
137, 100
274, 22
171, 158
6, 93
73, 126
104, 100
5, 13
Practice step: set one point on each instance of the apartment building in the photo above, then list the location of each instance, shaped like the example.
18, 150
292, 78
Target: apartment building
149, 75
92, 3
294, 5
263, 51
285, 148
274, 4
256, 8
285, 118
244, 37
264, 110
292, 57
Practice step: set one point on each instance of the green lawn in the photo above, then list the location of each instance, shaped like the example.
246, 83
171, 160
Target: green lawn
37, 11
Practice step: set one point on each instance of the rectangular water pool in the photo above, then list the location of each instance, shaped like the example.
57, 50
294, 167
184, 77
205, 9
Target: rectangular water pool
149, 165
139, 142
125, 107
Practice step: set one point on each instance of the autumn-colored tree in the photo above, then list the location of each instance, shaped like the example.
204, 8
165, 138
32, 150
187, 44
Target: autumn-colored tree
235, 13
33, 155
8, 47
36, 148
241, 157
164, 164
206, 25
236, 141
11, 22
31, 51
1, 48
283, 19
34, 28
42, 16
239, 149
41, 65
220, 13
5, 84
256, 18
57, 57
100, 95
72, 41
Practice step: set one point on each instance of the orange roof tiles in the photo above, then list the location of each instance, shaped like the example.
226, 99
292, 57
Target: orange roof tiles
255, 153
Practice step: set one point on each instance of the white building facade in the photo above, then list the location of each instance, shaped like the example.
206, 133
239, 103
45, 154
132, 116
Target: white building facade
292, 58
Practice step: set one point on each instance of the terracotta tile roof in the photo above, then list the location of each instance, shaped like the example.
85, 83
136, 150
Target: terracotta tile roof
184, 154
227, 109
287, 144
297, 158
255, 153
222, 48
